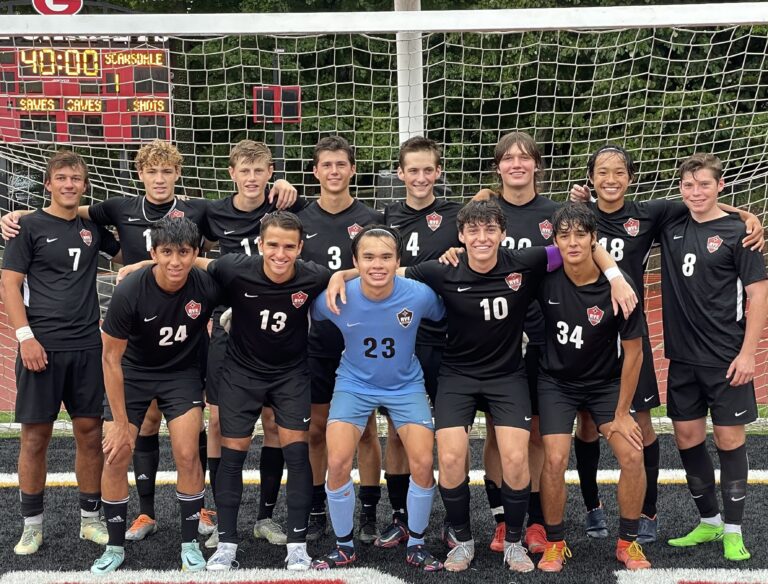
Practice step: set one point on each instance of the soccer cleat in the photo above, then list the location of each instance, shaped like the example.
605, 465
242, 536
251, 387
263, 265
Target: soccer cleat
733, 548
460, 557
112, 558
448, 535
192, 559
223, 558
318, 525
554, 556
207, 523
535, 538
94, 529
393, 535
213, 541
647, 529
497, 543
631, 555
341, 555
419, 556
595, 524
702, 533
269, 530
516, 558
30, 541
297, 558
368, 533
142, 527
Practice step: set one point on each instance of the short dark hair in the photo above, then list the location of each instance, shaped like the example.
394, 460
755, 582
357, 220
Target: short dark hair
697, 162
571, 215
380, 231
333, 144
65, 159
629, 163
481, 212
283, 220
176, 232
528, 145
419, 144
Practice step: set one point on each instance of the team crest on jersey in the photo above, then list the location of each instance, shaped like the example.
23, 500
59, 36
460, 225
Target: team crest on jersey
514, 281
545, 228
434, 220
353, 230
595, 315
176, 214
86, 236
404, 317
299, 298
714, 243
193, 309
632, 227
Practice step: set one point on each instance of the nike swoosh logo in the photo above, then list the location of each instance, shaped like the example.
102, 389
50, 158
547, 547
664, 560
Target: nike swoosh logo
196, 402
395, 226
48, 240
550, 302
230, 231
299, 530
677, 237
527, 418
741, 413
307, 419
311, 235
460, 289
697, 496
269, 504
132, 219
647, 399
150, 319
351, 324
737, 499
251, 295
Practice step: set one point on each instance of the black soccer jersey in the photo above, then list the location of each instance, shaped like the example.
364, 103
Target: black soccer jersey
60, 259
269, 321
328, 242
427, 234
582, 333
134, 216
485, 311
238, 231
163, 329
704, 271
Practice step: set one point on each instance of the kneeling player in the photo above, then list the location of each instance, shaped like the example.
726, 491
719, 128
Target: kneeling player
151, 337
582, 369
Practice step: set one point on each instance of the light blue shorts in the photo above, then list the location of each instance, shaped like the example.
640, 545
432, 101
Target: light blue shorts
355, 408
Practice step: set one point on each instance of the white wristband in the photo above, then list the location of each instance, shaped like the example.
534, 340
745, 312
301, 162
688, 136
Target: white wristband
24, 333
613, 273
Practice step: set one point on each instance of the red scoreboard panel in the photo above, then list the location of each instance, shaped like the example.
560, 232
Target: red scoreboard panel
91, 95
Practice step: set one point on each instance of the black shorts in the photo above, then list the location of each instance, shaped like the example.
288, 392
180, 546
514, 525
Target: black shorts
507, 400
244, 394
647, 393
322, 377
430, 357
692, 390
559, 402
217, 354
72, 377
531, 361
175, 397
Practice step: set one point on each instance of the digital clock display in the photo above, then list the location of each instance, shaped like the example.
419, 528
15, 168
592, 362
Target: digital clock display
59, 63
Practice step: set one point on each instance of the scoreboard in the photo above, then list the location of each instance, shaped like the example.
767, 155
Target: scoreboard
91, 95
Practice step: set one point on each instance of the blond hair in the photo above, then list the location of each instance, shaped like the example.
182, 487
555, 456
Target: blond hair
158, 153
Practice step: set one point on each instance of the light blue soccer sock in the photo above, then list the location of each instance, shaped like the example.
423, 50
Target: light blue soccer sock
419, 504
341, 508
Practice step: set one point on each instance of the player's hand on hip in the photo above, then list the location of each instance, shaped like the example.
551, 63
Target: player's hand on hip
622, 297
579, 194
741, 370
33, 356
337, 288
451, 256
117, 436
626, 425
9, 225
285, 192
755, 238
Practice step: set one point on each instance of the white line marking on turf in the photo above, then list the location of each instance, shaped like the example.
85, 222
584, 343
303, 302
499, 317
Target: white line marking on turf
729, 576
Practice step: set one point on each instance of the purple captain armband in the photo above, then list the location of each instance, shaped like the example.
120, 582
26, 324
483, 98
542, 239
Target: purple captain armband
554, 259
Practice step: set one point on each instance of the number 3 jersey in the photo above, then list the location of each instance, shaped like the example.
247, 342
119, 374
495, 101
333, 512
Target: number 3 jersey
380, 337
162, 328
582, 333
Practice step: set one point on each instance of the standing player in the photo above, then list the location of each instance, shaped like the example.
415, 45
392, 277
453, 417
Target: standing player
379, 368
711, 346
56, 320
329, 225
582, 368
428, 227
151, 337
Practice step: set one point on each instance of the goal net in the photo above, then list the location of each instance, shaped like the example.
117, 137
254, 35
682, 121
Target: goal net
575, 79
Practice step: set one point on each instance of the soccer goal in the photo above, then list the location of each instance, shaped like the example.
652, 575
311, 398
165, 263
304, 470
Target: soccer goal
662, 81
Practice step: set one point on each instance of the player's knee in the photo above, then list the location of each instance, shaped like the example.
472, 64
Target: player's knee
316, 436
187, 459
88, 436
35, 444
630, 459
452, 460
339, 467
118, 467
514, 460
421, 466
555, 461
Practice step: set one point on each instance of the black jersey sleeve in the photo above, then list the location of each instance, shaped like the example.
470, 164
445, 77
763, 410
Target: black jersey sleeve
750, 264
225, 269
118, 322
109, 245
300, 203
19, 251
663, 212
107, 212
431, 273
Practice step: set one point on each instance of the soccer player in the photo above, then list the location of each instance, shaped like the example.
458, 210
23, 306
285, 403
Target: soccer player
711, 344
582, 368
151, 337
330, 223
628, 229
56, 320
427, 225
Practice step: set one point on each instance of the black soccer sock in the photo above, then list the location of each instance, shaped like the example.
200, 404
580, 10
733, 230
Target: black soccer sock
90, 503
369, 495
318, 499
456, 502
555, 532
298, 490
202, 447
587, 461
397, 488
734, 470
115, 513
271, 471
146, 459
190, 506
700, 475
628, 529
535, 513
229, 492
213, 468
651, 461
515, 505
493, 492
31, 505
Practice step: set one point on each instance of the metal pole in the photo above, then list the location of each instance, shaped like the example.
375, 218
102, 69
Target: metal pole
279, 154
410, 81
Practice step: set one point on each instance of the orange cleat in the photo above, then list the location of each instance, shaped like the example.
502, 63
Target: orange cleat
631, 555
497, 543
536, 538
554, 556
